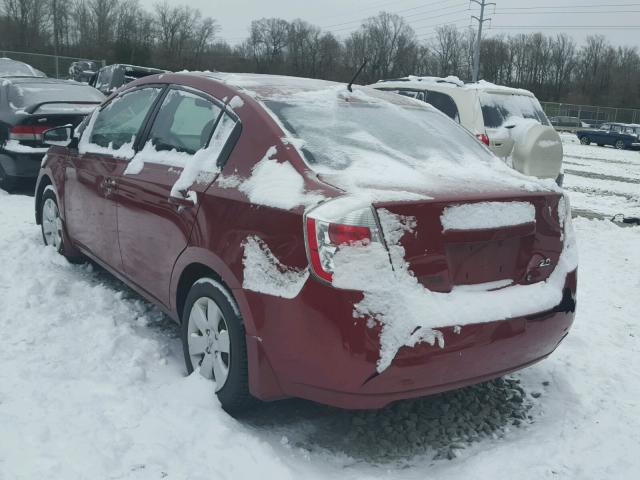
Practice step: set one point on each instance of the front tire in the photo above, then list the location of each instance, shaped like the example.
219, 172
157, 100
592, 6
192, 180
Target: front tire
213, 340
585, 140
620, 145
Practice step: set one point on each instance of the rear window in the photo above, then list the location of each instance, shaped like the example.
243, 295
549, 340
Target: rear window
23, 95
497, 108
340, 131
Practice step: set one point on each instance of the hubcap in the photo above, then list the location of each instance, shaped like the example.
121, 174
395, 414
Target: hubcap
208, 341
51, 224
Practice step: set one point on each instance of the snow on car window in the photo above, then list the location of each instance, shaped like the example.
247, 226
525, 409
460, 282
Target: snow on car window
118, 123
498, 107
341, 131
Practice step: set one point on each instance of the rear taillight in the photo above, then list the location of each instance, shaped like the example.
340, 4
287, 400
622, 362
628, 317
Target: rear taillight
333, 225
32, 133
483, 138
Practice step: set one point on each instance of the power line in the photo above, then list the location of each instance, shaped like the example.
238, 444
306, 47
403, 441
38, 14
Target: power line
572, 13
419, 20
360, 10
575, 27
397, 12
593, 5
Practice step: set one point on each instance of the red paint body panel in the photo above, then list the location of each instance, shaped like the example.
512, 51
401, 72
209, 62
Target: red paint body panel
309, 346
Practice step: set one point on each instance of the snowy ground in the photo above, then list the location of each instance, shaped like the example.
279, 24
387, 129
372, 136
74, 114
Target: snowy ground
93, 386
602, 181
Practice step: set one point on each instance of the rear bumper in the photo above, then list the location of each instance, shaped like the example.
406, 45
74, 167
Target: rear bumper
312, 347
21, 165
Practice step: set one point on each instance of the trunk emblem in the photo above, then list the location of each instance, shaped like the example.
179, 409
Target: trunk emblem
544, 263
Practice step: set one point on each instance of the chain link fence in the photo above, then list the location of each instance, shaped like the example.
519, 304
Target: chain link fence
592, 114
55, 66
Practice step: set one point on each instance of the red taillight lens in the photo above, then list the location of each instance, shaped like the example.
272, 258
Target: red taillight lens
331, 227
28, 132
483, 138
314, 251
348, 234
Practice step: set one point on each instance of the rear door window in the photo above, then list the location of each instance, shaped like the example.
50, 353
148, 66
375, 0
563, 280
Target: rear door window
185, 122
120, 121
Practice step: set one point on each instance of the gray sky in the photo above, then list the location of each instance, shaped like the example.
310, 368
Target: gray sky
578, 18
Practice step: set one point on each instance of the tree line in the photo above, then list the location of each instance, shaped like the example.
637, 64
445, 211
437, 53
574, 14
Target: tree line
555, 68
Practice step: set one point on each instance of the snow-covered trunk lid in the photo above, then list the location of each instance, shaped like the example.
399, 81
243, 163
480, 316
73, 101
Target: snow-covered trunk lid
487, 244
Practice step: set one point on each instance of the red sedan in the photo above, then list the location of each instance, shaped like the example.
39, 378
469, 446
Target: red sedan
348, 246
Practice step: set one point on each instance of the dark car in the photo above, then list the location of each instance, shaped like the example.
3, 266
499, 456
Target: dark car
615, 134
110, 78
13, 68
83, 70
348, 247
28, 107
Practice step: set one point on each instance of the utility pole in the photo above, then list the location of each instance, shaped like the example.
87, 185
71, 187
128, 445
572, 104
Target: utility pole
476, 53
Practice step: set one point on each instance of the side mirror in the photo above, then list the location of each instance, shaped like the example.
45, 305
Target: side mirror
61, 136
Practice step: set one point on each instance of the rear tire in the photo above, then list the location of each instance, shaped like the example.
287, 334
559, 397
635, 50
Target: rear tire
213, 338
620, 145
53, 233
585, 141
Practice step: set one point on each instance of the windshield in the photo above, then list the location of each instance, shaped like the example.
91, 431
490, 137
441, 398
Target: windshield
498, 107
23, 95
338, 132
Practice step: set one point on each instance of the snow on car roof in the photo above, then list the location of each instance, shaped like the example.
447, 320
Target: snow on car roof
452, 82
268, 85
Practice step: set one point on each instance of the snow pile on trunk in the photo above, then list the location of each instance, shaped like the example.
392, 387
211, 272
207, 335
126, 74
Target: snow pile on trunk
410, 314
264, 273
277, 184
482, 215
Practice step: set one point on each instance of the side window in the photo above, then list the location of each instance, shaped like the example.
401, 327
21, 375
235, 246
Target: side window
418, 95
119, 122
185, 122
616, 128
104, 79
444, 103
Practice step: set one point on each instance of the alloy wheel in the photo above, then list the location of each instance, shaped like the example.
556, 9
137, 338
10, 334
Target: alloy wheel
620, 145
51, 224
208, 341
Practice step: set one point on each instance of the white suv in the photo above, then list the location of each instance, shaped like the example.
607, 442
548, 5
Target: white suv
510, 121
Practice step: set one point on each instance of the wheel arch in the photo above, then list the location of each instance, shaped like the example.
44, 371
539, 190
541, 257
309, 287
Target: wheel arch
196, 263
188, 277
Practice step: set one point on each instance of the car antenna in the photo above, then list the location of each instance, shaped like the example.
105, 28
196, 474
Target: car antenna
356, 75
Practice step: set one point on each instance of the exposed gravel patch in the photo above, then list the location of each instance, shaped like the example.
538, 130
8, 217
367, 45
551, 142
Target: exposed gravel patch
438, 427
